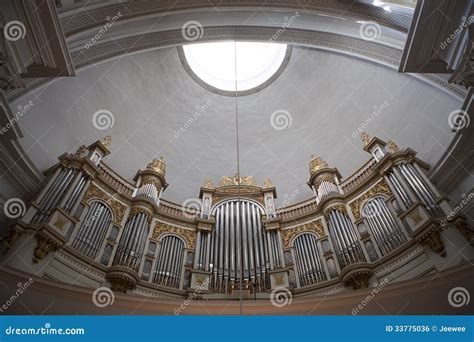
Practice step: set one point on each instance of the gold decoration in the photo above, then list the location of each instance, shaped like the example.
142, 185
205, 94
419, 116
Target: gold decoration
236, 180
392, 147
188, 235
365, 138
337, 207
380, 188
94, 192
324, 178
81, 151
279, 279
267, 183
152, 180
208, 184
316, 164
59, 223
157, 165
137, 210
43, 247
106, 141
416, 217
287, 235
434, 242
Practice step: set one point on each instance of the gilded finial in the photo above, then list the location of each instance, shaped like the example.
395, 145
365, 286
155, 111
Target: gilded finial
81, 151
267, 183
106, 141
316, 163
365, 138
157, 165
392, 147
208, 184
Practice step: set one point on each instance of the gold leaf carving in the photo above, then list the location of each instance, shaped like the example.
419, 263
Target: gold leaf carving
288, 234
380, 188
162, 228
94, 192
316, 164
236, 180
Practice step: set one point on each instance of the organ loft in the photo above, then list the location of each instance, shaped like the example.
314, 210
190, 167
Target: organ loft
89, 225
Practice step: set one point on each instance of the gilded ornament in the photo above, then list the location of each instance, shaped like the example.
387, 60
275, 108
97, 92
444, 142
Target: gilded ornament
208, 184
365, 138
287, 235
94, 192
267, 183
392, 147
162, 228
137, 210
416, 217
106, 141
81, 151
237, 180
337, 207
157, 165
380, 188
316, 164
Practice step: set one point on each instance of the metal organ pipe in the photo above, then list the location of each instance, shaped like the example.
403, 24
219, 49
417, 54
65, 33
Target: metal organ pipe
308, 264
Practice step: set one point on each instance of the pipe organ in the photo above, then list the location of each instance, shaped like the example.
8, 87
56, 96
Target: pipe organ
93, 229
238, 239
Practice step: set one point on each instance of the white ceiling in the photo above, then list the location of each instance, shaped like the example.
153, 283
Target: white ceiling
151, 96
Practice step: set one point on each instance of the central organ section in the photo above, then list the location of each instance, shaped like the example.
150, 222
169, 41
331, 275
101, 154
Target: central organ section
238, 249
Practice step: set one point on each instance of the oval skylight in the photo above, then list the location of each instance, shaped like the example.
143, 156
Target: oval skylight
214, 63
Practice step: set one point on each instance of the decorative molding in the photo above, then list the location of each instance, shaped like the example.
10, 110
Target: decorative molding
288, 235
163, 228
381, 188
93, 192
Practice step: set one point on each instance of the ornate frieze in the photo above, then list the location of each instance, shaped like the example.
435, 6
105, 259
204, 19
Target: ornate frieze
162, 228
380, 188
237, 180
287, 235
94, 192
